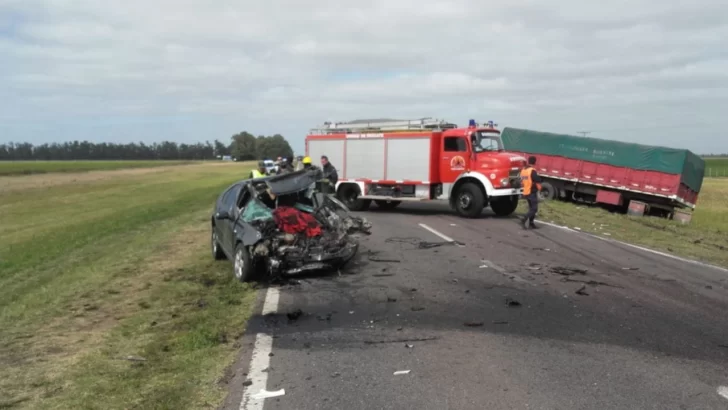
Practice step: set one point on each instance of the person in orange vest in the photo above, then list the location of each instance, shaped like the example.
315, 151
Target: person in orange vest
531, 182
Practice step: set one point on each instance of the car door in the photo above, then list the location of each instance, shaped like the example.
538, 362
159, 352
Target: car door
225, 226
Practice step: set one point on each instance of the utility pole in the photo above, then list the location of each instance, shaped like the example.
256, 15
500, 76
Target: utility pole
583, 133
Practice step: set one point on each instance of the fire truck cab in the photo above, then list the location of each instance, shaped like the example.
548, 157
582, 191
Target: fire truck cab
393, 161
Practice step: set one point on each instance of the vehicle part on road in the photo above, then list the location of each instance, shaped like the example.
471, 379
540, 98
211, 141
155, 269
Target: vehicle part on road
265, 394
591, 282
387, 205
418, 160
567, 271
420, 339
401, 372
473, 324
420, 244
512, 303
376, 259
281, 225
582, 291
409, 346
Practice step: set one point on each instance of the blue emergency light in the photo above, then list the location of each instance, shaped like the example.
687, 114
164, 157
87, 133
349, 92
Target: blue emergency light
471, 124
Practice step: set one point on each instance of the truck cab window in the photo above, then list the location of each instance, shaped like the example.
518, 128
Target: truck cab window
455, 144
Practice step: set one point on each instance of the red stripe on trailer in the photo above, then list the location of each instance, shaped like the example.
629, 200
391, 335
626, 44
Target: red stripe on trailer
386, 181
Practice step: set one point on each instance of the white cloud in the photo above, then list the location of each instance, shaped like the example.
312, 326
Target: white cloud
285, 66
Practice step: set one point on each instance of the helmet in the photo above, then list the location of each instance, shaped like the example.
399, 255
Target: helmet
306, 160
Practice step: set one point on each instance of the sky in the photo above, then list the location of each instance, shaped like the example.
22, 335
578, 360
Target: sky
186, 70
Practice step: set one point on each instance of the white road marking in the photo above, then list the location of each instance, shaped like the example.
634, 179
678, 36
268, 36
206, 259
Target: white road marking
723, 391
489, 264
441, 235
667, 255
261, 358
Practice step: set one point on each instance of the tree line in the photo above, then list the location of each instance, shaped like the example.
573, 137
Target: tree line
243, 146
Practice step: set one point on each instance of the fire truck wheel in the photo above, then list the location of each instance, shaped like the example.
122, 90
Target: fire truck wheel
386, 205
504, 206
349, 195
469, 200
547, 192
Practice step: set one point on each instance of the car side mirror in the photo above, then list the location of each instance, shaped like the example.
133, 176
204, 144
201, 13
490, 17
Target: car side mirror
222, 215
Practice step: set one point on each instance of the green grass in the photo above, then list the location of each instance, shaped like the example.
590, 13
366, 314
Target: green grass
704, 239
43, 167
716, 167
94, 270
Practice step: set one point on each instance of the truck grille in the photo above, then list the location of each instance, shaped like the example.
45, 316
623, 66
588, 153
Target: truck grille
514, 177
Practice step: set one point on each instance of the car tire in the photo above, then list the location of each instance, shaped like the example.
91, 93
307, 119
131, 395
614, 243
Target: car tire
469, 200
547, 192
387, 205
504, 206
217, 253
349, 195
243, 268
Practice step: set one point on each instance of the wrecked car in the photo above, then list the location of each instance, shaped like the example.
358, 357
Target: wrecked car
282, 225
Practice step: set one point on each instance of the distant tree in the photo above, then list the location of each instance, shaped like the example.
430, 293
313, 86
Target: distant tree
243, 146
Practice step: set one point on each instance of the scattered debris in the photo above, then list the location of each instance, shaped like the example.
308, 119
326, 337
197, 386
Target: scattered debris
248, 383
708, 287
351, 312
382, 275
265, 394
606, 234
566, 271
420, 339
335, 375
512, 303
420, 244
500, 322
592, 283
454, 280
473, 324
582, 291
324, 318
295, 315
542, 249
391, 299
413, 290
409, 346
577, 228
417, 308
401, 372
375, 259
533, 266
630, 268
271, 354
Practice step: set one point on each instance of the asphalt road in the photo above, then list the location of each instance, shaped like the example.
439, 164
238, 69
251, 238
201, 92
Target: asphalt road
651, 332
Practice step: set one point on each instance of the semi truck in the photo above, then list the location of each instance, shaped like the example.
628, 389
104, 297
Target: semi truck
631, 177
393, 161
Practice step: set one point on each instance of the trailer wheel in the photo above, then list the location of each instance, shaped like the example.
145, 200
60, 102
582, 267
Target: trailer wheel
469, 200
349, 195
387, 205
547, 193
504, 206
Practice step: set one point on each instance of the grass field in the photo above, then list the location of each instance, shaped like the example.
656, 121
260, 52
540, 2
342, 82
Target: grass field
99, 266
716, 167
43, 167
705, 238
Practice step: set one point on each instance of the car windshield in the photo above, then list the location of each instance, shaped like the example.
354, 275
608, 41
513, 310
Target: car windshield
485, 142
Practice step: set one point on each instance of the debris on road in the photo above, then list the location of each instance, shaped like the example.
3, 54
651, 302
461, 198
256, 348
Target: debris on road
591, 283
265, 394
134, 358
417, 308
401, 372
630, 268
409, 346
566, 271
376, 259
382, 275
418, 339
391, 299
500, 322
420, 244
248, 383
295, 315
512, 303
473, 324
325, 318
533, 266
582, 291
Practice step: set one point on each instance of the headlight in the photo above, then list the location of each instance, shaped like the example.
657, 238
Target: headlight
504, 182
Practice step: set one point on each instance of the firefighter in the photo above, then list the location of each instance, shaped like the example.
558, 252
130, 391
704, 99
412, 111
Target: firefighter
260, 172
286, 166
329, 170
531, 182
306, 161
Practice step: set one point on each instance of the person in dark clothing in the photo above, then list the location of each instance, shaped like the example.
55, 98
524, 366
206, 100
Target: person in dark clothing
329, 170
285, 166
531, 182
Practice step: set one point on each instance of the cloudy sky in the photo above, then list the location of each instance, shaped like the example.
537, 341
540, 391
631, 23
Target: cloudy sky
194, 70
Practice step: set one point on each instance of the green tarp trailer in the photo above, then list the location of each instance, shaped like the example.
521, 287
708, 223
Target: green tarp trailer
675, 175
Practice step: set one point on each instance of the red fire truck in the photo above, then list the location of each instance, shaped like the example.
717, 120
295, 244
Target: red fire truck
393, 161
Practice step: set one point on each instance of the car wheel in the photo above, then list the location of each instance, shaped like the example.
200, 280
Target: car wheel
469, 200
217, 252
349, 195
242, 264
387, 205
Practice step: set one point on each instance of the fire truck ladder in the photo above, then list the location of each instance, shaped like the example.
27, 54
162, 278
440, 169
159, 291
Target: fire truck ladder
360, 126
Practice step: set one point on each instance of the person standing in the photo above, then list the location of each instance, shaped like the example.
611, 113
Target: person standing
260, 172
329, 170
531, 182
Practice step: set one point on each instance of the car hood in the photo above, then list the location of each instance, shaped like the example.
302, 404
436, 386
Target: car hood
293, 182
